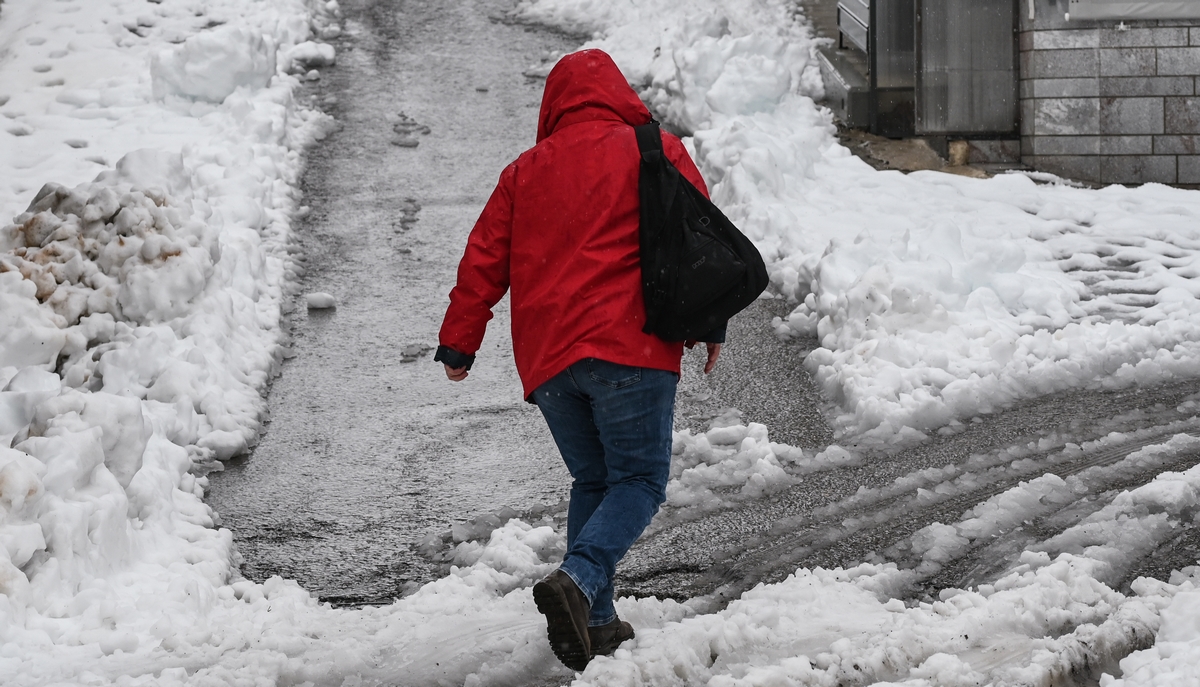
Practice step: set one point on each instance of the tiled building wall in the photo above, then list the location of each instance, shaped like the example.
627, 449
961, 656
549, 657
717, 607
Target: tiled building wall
1106, 103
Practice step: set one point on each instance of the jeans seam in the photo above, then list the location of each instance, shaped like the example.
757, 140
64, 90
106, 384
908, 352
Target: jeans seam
592, 623
579, 586
615, 385
574, 382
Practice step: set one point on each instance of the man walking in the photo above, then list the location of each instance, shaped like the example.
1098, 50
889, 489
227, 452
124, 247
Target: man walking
560, 232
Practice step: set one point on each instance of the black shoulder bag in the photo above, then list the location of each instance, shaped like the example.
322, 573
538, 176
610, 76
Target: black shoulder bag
698, 270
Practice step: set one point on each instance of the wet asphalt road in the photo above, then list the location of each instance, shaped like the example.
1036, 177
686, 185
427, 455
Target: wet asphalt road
369, 449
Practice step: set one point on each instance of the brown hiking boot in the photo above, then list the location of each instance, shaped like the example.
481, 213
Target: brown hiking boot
566, 610
606, 638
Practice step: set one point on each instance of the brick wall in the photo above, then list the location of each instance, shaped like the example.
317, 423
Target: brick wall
1110, 105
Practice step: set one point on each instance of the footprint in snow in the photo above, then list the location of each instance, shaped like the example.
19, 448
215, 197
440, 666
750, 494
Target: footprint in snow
412, 352
407, 130
408, 215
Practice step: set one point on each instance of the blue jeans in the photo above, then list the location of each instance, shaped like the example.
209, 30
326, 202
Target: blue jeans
612, 424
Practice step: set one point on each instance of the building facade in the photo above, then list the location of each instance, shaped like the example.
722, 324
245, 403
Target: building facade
1112, 99
1103, 91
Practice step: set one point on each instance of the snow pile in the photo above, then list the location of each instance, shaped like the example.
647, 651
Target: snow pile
1174, 660
724, 465
719, 59
733, 462
829, 628
927, 324
167, 622
105, 249
211, 66
140, 299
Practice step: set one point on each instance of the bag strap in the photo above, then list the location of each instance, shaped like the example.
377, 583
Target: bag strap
649, 140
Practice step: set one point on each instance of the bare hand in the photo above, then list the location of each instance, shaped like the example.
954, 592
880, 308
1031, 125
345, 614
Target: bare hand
457, 374
714, 352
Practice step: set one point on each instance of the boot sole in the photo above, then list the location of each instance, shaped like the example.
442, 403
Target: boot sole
565, 641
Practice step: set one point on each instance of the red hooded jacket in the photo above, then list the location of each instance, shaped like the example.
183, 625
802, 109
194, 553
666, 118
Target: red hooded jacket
561, 231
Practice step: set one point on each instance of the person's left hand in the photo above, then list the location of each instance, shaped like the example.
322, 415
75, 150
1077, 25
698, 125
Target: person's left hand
714, 352
455, 374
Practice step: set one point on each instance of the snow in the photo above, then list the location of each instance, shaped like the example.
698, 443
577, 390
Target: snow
1174, 660
149, 160
319, 300
211, 66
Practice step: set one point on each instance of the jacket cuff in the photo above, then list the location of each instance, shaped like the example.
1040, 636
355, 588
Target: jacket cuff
453, 358
715, 336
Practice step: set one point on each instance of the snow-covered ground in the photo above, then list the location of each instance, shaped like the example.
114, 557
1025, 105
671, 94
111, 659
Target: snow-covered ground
140, 302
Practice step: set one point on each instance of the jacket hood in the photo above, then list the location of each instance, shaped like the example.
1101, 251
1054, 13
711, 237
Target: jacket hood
584, 80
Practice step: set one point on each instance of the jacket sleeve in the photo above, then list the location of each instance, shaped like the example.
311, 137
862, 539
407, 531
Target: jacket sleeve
482, 277
678, 155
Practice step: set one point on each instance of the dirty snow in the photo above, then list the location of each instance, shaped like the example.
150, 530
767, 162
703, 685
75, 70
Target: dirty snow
149, 159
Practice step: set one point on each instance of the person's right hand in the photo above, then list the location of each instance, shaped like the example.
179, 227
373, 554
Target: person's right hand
455, 374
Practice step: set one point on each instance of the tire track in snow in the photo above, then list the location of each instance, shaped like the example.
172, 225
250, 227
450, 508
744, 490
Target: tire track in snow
859, 531
836, 527
989, 560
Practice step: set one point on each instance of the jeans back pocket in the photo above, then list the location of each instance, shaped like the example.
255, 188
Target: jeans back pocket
613, 375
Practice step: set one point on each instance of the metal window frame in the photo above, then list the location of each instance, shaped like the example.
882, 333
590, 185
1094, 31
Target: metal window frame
1125, 9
